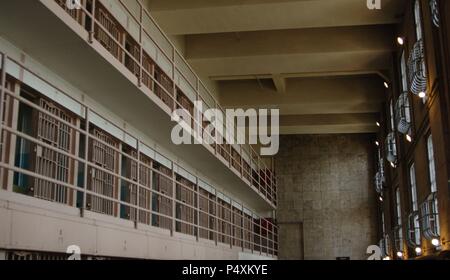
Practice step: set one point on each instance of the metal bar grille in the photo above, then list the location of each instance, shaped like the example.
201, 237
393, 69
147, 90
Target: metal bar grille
102, 182
108, 162
114, 37
48, 162
162, 204
145, 179
185, 103
417, 69
164, 82
403, 114
186, 202
237, 227
134, 51
207, 215
236, 160
149, 66
224, 214
112, 27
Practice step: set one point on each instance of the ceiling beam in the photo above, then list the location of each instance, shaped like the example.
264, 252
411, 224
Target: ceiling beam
181, 18
279, 82
331, 95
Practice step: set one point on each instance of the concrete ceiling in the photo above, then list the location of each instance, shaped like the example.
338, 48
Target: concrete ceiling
321, 62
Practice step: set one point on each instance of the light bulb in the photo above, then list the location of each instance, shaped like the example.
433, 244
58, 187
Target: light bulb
381, 198
400, 41
422, 94
418, 250
408, 138
435, 242
378, 124
386, 85
377, 143
399, 254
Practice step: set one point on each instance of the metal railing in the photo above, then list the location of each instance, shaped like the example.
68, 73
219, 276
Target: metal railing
107, 175
145, 50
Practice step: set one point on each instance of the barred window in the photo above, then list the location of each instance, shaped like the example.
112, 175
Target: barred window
431, 164
413, 187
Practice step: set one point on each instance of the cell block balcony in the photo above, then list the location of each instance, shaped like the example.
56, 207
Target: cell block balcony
128, 32
73, 156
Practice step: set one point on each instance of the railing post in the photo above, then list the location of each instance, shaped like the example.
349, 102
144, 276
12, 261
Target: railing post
216, 203
2, 98
174, 206
141, 52
138, 185
150, 204
197, 192
3, 171
86, 158
92, 27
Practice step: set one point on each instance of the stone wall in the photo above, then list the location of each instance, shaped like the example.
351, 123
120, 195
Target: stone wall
326, 198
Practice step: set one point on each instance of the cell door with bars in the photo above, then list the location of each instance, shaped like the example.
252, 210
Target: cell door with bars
133, 55
224, 213
203, 220
5, 137
102, 153
149, 67
236, 162
49, 162
164, 81
237, 227
161, 203
248, 231
128, 190
183, 102
185, 193
108, 31
145, 181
